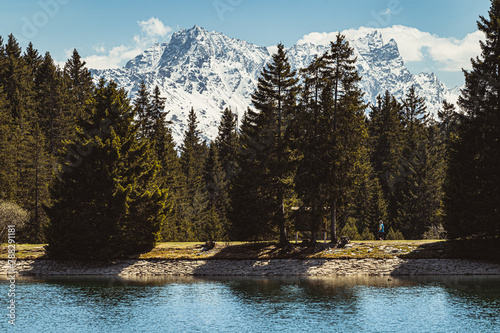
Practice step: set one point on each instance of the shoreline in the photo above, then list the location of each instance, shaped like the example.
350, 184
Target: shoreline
260, 267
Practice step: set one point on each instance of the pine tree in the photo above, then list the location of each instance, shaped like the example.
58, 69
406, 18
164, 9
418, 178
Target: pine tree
51, 107
47, 127
414, 121
249, 212
449, 120
227, 142
346, 137
7, 151
170, 170
386, 140
216, 225
107, 201
18, 88
7, 162
37, 178
32, 59
420, 202
143, 109
473, 180
421, 173
193, 202
308, 127
79, 82
17, 82
274, 101
158, 113
225, 154
369, 205
333, 167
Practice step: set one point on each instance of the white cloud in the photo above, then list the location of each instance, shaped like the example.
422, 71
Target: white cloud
449, 54
154, 27
99, 48
152, 31
114, 58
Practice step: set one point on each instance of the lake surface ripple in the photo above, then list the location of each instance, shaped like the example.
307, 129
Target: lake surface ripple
170, 304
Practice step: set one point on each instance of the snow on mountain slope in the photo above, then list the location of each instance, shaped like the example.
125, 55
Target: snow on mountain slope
210, 71
196, 68
382, 68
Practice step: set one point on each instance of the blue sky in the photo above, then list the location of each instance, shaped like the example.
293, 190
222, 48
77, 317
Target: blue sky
438, 36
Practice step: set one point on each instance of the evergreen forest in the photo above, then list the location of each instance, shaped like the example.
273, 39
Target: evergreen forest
97, 175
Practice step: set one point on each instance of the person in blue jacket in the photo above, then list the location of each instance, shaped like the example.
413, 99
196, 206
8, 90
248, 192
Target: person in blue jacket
381, 230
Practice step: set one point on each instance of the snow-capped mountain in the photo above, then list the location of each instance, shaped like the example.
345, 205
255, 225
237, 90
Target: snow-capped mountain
210, 71
382, 68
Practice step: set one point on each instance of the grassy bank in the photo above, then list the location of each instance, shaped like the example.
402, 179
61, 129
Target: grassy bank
267, 250
425, 249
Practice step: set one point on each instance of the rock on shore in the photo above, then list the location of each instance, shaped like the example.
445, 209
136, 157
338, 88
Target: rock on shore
275, 267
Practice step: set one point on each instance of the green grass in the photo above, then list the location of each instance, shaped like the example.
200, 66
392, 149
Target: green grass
23, 251
269, 250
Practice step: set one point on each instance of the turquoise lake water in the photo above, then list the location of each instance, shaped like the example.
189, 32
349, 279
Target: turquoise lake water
369, 304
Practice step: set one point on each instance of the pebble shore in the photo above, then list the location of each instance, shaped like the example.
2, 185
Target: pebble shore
274, 267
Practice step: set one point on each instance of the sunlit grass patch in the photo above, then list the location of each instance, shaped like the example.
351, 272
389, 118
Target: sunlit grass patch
270, 250
23, 251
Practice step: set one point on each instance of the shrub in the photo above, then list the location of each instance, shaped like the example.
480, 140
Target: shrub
350, 230
394, 235
435, 232
11, 214
367, 235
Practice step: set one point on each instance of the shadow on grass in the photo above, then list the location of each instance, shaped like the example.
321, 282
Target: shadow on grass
476, 249
262, 250
260, 259
436, 250
485, 250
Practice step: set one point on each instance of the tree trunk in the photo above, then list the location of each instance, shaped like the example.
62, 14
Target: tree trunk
281, 217
334, 222
314, 223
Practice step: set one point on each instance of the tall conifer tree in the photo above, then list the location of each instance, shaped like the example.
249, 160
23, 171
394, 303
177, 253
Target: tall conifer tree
386, 140
473, 181
107, 201
309, 127
16, 77
38, 176
249, 213
166, 154
215, 225
347, 133
143, 109
7, 150
32, 59
79, 81
275, 104
227, 141
193, 153
420, 177
52, 105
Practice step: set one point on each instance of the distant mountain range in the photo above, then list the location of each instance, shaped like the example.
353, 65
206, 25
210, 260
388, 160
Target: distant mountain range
210, 71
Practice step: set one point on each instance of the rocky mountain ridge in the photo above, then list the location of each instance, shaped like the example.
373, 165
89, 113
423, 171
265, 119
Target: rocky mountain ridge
210, 71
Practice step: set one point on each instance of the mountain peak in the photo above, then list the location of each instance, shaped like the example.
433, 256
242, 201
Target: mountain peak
197, 30
369, 42
210, 71
375, 35
193, 32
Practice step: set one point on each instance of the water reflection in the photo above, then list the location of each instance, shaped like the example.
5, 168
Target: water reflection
174, 304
